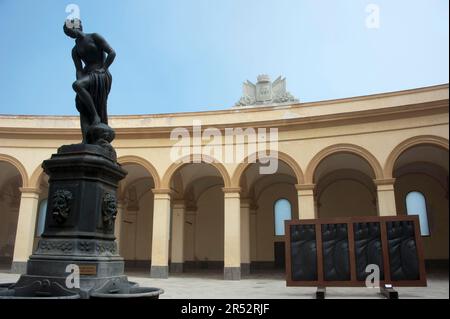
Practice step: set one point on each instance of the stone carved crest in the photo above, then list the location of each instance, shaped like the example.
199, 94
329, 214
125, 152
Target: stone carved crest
265, 92
61, 203
109, 210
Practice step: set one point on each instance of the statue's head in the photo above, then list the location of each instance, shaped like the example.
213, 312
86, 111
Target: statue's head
73, 28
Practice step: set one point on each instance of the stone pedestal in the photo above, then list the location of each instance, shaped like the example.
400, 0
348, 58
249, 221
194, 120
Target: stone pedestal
79, 227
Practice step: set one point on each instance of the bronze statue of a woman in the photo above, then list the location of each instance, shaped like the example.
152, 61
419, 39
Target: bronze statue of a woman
93, 82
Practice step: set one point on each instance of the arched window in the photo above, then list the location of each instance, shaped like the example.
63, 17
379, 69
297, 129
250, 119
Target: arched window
282, 212
416, 205
41, 217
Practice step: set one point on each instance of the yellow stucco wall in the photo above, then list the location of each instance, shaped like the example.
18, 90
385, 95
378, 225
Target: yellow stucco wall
332, 204
263, 244
209, 230
435, 245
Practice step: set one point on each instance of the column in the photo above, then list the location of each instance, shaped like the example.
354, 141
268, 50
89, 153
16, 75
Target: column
245, 236
26, 224
161, 233
177, 251
119, 223
306, 206
386, 197
232, 230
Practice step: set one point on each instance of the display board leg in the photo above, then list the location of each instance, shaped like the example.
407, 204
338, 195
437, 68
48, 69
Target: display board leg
320, 292
389, 292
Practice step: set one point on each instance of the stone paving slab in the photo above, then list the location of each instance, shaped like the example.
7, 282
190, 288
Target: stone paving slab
263, 286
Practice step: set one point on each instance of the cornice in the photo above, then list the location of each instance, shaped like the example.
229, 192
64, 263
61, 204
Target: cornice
334, 119
262, 108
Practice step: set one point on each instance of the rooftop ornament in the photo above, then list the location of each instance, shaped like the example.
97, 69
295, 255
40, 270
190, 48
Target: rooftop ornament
265, 92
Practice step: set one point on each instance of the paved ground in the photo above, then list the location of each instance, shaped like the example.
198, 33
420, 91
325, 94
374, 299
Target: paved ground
262, 286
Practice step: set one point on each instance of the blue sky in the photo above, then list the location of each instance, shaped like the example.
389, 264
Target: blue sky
180, 55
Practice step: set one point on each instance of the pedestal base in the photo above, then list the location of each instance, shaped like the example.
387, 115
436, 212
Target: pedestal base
159, 272
232, 273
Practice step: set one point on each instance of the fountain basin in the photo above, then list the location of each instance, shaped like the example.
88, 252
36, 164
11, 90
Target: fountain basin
135, 293
10, 294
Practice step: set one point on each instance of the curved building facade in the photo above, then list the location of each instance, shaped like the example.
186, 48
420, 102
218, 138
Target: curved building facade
212, 189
